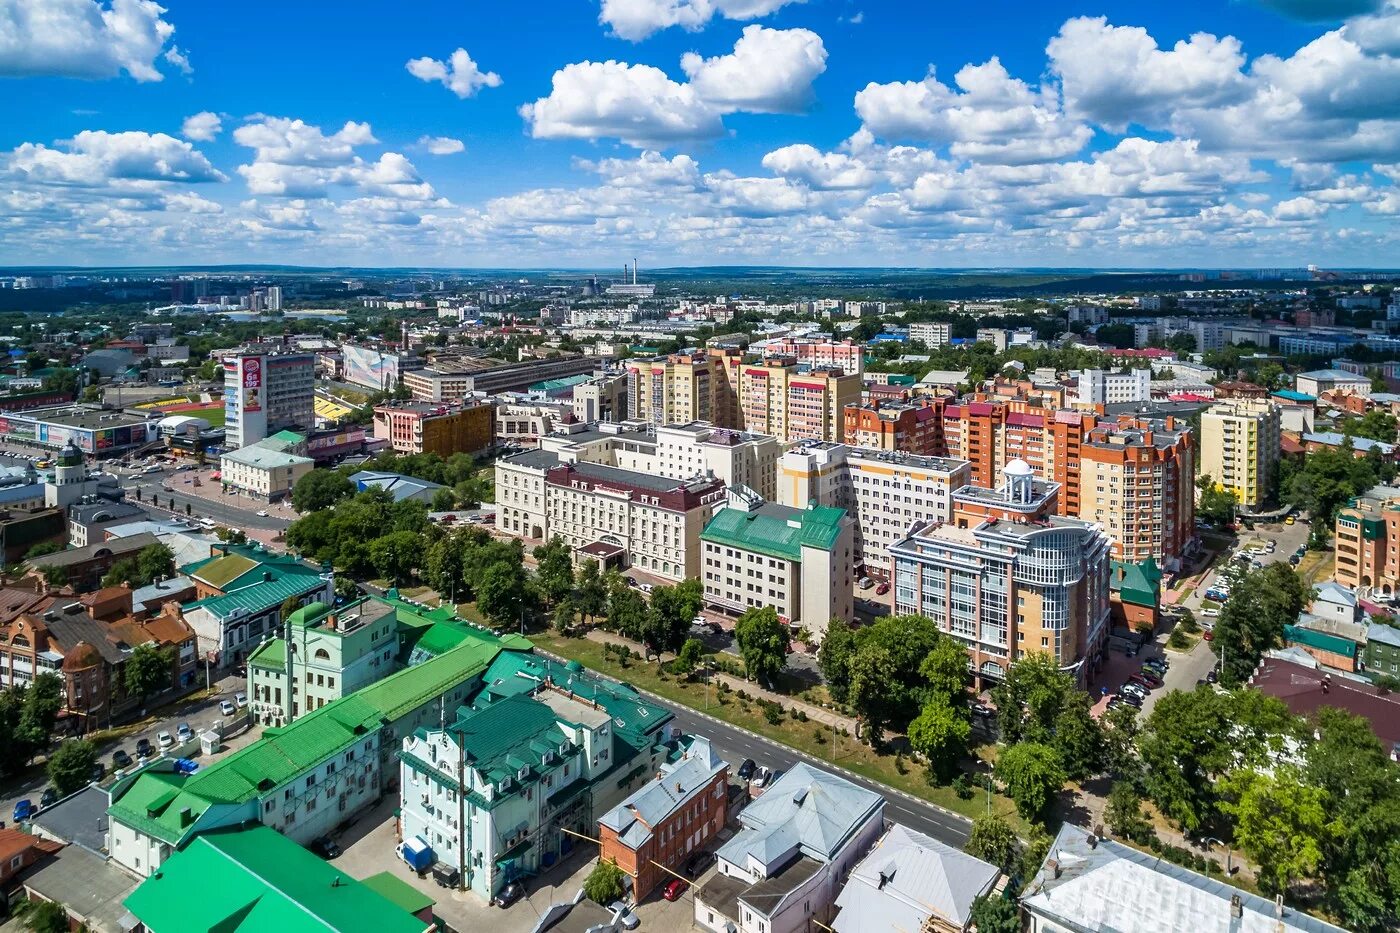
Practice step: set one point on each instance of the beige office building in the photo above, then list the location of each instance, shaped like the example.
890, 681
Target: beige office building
886, 493
1240, 447
777, 397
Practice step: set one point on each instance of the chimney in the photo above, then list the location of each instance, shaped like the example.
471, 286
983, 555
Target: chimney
1236, 906
1054, 866
330, 622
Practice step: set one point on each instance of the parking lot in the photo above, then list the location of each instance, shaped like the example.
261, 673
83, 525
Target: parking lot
369, 843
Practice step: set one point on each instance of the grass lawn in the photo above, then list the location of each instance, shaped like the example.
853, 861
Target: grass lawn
1316, 566
802, 736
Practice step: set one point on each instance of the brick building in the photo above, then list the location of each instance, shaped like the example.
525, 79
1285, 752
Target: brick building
426, 428
654, 831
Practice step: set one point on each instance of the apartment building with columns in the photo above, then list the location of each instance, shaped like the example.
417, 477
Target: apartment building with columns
886, 493
1007, 575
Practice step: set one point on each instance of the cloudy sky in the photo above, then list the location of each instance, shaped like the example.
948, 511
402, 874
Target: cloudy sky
688, 132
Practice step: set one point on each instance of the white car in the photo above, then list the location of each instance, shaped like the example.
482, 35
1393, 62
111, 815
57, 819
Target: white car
227, 708
1210, 613
262, 513
645, 587
622, 914
165, 740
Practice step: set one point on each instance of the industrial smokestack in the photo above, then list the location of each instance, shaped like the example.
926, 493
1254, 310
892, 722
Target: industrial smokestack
634, 270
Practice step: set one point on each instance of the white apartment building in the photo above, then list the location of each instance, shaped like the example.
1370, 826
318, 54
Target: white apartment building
582, 317
886, 493
931, 333
1097, 387
520, 497
267, 390
798, 561
675, 451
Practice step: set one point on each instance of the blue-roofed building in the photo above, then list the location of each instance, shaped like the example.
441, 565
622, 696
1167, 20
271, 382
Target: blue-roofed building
652, 833
800, 840
1360, 445
398, 485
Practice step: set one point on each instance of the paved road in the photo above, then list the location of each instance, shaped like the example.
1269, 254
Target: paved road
233, 511
736, 744
198, 714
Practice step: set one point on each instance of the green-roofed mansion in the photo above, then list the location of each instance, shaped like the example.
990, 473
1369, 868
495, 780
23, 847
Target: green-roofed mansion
799, 561
303, 779
241, 589
542, 748
256, 879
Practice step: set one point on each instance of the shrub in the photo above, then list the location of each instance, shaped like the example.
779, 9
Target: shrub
819, 735
773, 712
962, 787
1178, 640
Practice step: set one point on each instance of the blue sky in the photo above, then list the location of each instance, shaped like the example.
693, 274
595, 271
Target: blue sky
827, 132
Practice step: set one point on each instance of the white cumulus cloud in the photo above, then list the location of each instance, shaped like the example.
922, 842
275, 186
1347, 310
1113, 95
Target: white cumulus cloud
459, 74
637, 104
769, 71
84, 38
441, 145
97, 158
636, 19
202, 126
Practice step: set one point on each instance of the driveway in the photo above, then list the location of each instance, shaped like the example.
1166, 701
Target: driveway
369, 844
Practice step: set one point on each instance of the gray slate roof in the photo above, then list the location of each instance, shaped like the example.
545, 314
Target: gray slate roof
807, 809
1385, 634
1110, 887
907, 878
652, 803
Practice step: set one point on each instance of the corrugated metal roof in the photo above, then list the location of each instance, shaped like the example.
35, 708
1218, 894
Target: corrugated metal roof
776, 530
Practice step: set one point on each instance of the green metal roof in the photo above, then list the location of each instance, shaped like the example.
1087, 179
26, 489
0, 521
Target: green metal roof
397, 891
1137, 583
776, 530
497, 735
271, 655
1293, 634
256, 879
220, 571
259, 595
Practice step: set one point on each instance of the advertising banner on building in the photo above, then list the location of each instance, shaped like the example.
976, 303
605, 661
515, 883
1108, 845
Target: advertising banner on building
252, 383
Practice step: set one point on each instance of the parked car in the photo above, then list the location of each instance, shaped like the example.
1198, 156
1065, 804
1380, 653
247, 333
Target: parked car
241, 699
99, 771
1153, 678
624, 916
1212, 676
1159, 665
183, 732
227, 708
1210, 613
121, 760
674, 889
746, 769
326, 847
1209, 635
1132, 699
1137, 677
509, 894
49, 797
763, 777
631, 581
262, 513
695, 865
144, 749
165, 740
25, 810
882, 589
1289, 520
866, 583
983, 710
1133, 689
645, 588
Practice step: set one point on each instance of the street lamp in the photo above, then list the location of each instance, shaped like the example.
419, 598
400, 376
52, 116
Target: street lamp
1229, 852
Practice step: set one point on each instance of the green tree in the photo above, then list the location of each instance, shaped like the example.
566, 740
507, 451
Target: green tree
763, 643
592, 592
122, 571
690, 656
1377, 424
1280, 823
1186, 743
940, 733
945, 673
1124, 811
39, 708
994, 913
994, 841
70, 767
1252, 619
666, 622
1216, 505
875, 691
153, 562
45, 547
554, 570
604, 884
1078, 737
1033, 775
395, 555
148, 670
1120, 737
503, 593
1182, 342
46, 917
564, 613
834, 658
442, 566
321, 489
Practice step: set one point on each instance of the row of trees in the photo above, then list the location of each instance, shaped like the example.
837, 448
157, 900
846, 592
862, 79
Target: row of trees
27, 718
1251, 622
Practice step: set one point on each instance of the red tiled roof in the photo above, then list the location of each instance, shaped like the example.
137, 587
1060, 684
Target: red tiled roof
1300, 688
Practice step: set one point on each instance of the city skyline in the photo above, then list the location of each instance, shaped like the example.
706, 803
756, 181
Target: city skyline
702, 132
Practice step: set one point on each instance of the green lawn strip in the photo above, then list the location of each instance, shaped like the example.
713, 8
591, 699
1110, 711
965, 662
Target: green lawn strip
801, 736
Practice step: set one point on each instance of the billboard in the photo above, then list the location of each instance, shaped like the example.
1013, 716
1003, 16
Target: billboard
372, 369
252, 383
17, 429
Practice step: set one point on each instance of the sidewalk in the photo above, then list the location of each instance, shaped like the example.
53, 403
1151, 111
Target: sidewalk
814, 713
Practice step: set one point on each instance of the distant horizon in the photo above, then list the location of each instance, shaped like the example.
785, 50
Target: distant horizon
763, 267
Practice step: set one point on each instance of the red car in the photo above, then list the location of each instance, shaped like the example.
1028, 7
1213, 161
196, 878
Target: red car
674, 889
882, 589
1139, 678
1209, 635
